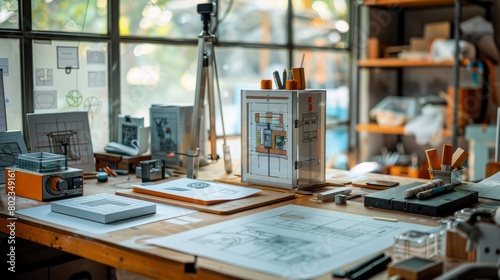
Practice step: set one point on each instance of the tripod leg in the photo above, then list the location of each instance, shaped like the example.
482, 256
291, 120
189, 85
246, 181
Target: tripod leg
211, 105
226, 151
199, 99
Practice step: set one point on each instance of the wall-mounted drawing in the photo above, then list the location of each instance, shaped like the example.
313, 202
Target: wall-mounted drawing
4, 65
65, 133
11, 145
93, 105
67, 58
96, 57
45, 99
74, 98
44, 77
96, 79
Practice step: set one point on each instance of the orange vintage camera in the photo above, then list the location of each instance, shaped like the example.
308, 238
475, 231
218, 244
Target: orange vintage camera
44, 177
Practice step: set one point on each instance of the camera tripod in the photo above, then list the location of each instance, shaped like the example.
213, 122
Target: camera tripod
207, 66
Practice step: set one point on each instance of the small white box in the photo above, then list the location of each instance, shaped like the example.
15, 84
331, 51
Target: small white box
283, 137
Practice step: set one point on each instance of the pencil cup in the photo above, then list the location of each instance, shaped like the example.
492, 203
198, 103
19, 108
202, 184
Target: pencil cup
291, 84
266, 84
298, 75
446, 176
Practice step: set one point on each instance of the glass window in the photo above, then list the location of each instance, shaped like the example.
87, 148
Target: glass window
78, 16
321, 23
73, 76
161, 18
253, 21
10, 63
9, 15
163, 74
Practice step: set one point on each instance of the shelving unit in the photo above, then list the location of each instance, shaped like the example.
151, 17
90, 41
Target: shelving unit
385, 76
408, 3
400, 64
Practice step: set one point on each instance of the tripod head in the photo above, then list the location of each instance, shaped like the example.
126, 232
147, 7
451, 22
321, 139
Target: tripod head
206, 11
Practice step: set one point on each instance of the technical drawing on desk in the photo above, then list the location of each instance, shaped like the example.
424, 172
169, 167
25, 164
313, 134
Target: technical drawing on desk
11, 146
66, 133
270, 146
270, 134
290, 241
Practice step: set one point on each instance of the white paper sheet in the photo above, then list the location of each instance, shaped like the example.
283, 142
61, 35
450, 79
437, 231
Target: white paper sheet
203, 191
488, 188
292, 242
43, 213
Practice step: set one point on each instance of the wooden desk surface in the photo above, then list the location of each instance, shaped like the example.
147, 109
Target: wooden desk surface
126, 248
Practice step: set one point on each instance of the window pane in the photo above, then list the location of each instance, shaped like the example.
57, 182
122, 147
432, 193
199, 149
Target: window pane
160, 74
321, 23
329, 70
162, 18
73, 76
156, 74
11, 65
9, 15
253, 21
78, 16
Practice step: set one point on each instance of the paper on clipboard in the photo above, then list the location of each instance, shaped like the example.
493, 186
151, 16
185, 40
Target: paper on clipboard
196, 191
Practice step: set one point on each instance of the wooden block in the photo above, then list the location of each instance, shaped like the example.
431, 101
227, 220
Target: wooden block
492, 168
455, 247
458, 158
447, 154
433, 159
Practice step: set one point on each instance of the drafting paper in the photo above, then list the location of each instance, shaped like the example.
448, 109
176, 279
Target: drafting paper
488, 188
11, 146
43, 213
64, 133
292, 241
191, 190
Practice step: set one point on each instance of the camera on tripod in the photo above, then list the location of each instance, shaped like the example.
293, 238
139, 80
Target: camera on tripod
206, 11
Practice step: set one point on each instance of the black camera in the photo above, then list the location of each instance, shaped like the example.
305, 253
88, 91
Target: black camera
206, 9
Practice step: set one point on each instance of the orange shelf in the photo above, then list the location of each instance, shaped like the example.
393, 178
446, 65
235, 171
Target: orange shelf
375, 128
408, 3
386, 129
398, 63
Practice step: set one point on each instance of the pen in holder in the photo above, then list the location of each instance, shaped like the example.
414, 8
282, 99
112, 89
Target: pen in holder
298, 75
447, 176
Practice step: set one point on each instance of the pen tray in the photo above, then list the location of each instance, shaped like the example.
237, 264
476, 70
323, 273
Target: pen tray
446, 176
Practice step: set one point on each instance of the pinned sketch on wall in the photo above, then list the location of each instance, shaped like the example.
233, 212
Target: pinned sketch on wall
96, 79
44, 77
96, 57
64, 133
45, 99
74, 98
93, 105
290, 242
4, 65
67, 58
3, 110
11, 145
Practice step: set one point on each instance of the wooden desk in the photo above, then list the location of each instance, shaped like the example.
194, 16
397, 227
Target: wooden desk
116, 249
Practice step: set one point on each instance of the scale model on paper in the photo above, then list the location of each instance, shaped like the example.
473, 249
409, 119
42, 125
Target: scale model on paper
104, 208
